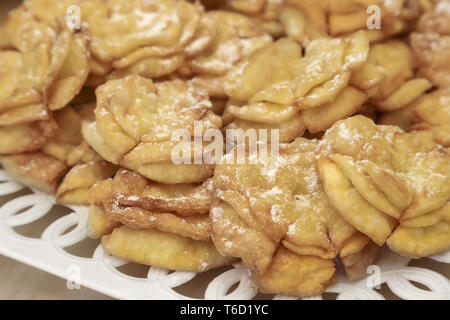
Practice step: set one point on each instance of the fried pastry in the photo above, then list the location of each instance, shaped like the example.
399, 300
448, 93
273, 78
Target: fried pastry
236, 37
428, 113
54, 81
136, 202
72, 75
431, 43
433, 113
82, 153
157, 217
355, 264
304, 20
358, 187
292, 210
99, 223
67, 143
151, 39
355, 209
236, 34
67, 136
277, 84
164, 250
276, 213
26, 137
390, 174
135, 119
35, 170
43, 67
74, 188
307, 20
291, 274
402, 118
387, 76
421, 241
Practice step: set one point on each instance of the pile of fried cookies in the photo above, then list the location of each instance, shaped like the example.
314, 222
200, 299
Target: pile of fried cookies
363, 117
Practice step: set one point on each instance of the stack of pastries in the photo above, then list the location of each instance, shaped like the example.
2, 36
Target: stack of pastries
88, 113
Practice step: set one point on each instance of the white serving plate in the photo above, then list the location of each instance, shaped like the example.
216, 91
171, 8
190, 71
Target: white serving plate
65, 228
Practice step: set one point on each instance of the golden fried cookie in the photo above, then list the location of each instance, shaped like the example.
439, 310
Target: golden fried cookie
72, 75
247, 6
352, 206
67, 136
431, 43
374, 178
441, 214
421, 241
405, 95
296, 77
99, 224
22, 82
19, 31
432, 113
124, 199
347, 103
264, 68
136, 202
274, 202
82, 153
389, 65
163, 250
304, 20
66, 143
47, 64
26, 137
374, 174
135, 121
74, 188
296, 275
277, 84
428, 173
118, 28
358, 253
195, 227
240, 240
236, 37
35, 170
402, 118
151, 38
